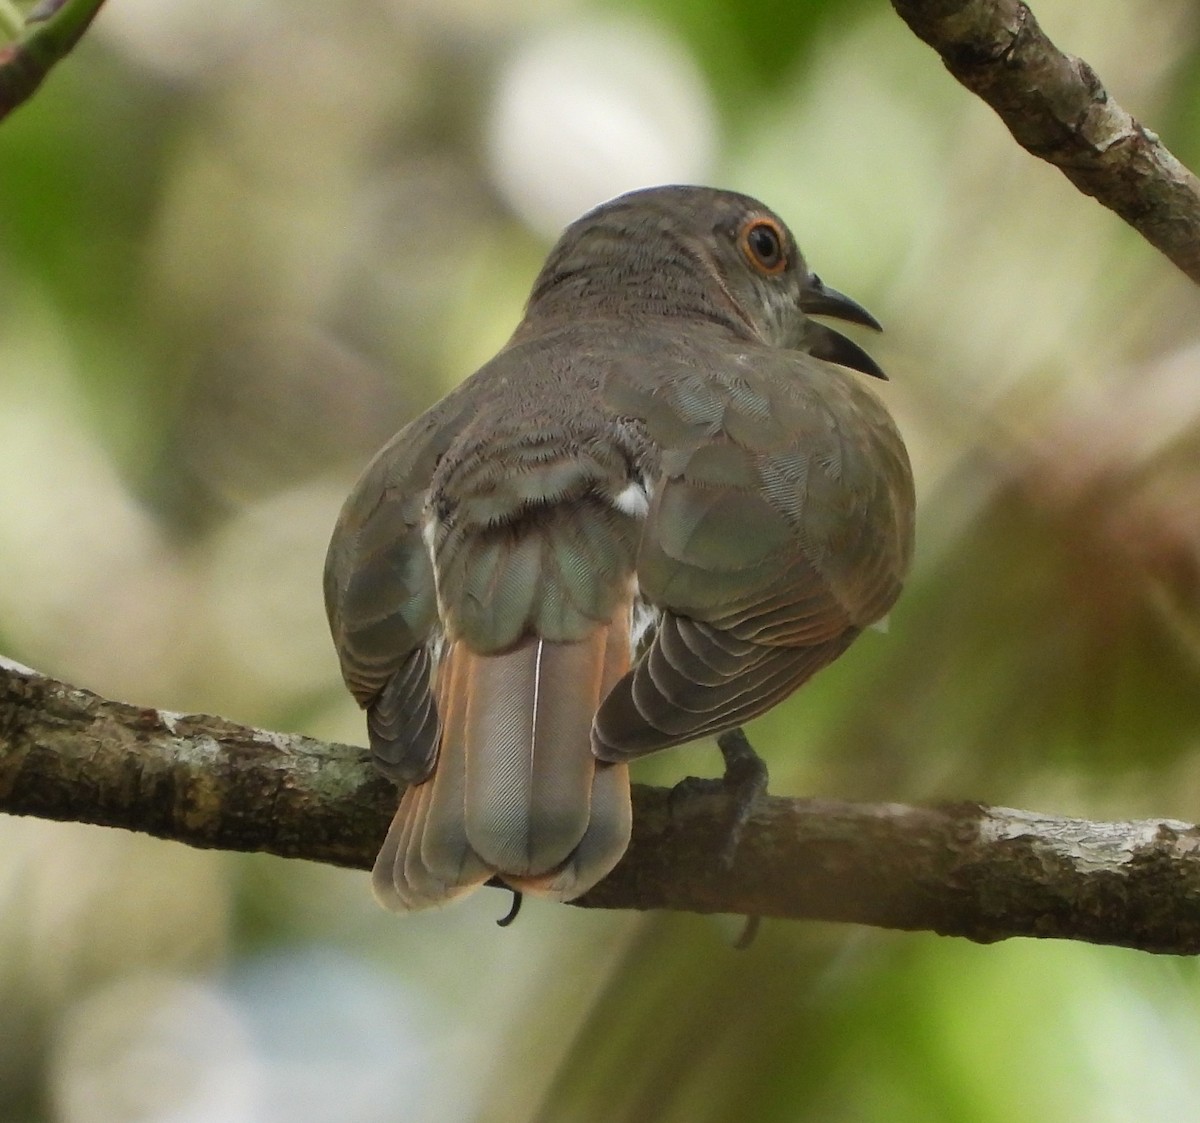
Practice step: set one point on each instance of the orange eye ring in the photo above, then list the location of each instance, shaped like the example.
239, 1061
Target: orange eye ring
764, 243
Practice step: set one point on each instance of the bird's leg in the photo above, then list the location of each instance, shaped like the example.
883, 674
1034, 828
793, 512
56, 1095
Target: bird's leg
745, 780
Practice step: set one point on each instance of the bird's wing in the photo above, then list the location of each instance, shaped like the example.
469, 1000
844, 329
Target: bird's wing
380, 595
779, 526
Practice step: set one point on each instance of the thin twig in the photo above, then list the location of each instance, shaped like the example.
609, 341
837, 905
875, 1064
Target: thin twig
50, 31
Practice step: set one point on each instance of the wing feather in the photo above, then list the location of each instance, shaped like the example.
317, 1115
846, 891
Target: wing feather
767, 547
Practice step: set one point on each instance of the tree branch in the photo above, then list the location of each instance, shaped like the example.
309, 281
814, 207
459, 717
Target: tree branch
1057, 108
985, 873
49, 33
1054, 105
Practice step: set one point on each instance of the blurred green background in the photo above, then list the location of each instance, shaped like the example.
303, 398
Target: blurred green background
242, 242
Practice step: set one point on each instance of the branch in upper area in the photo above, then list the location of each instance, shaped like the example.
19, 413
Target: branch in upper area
985, 873
49, 32
1057, 108
1053, 103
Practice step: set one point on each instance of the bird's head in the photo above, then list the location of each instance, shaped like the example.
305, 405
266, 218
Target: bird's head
702, 252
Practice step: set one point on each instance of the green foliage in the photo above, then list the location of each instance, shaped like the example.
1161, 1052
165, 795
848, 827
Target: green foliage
753, 49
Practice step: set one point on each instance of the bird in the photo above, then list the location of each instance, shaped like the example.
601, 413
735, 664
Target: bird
668, 501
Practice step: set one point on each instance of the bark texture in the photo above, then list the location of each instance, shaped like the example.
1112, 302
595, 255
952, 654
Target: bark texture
1057, 108
985, 873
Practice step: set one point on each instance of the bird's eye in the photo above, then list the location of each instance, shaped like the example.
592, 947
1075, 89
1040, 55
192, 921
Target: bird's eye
762, 242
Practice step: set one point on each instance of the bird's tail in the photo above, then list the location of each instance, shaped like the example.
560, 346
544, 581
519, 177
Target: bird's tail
516, 791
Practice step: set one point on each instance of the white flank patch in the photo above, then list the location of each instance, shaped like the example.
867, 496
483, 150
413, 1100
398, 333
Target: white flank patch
436, 644
429, 532
632, 499
643, 623
429, 529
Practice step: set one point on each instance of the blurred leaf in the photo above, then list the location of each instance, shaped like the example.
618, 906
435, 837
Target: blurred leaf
752, 48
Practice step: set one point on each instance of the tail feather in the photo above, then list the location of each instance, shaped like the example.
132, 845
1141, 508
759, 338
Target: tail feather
528, 790
442, 849
516, 790
603, 843
439, 863
383, 875
426, 858
610, 820
414, 880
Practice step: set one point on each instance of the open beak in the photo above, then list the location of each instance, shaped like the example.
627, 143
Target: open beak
817, 299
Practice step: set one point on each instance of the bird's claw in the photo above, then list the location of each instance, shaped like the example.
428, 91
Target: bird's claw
514, 908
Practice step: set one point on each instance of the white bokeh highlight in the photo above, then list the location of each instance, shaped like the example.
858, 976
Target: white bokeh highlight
304, 1036
156, 1049
587, 111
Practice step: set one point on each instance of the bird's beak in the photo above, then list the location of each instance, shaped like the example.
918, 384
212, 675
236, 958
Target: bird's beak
818, 299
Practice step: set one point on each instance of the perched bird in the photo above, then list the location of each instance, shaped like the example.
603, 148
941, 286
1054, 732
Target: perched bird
662, 507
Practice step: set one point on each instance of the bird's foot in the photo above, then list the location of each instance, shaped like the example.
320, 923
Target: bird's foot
743, 784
